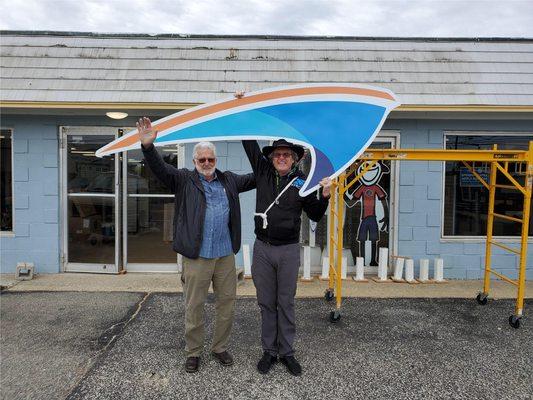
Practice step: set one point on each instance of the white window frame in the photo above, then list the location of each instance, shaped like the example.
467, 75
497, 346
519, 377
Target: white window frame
11, 233
473, 239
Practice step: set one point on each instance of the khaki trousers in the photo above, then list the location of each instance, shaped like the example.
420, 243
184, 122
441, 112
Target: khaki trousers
196, 277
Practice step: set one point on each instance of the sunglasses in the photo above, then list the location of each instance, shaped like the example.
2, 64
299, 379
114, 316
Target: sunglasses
203, 160
279, 155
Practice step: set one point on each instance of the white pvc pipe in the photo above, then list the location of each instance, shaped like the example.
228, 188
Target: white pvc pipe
398, 268
246, 260
359, 269
409, 270
325, 268
383, 263
424, 269
344, 267
307, 263
438, 269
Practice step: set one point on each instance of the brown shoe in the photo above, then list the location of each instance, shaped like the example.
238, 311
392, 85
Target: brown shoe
191, 364
224, 358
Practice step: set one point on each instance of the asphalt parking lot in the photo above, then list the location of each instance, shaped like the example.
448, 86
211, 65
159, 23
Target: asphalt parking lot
87, 345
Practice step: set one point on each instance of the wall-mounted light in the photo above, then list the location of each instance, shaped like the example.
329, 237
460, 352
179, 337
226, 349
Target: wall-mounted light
116, 114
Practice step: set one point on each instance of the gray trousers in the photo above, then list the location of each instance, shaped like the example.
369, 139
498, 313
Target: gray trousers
275, 275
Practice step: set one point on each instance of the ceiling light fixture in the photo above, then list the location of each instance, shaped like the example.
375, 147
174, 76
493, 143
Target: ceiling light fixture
116, 114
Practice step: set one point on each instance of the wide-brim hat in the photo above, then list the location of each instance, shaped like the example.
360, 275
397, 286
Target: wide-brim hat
299, 150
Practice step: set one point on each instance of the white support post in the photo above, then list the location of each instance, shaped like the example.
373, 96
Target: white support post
312, 233
180, 263
383, 263
398, 269
325, 269
344, 268
423, 276
246, 261
438, 270
360, 270
307, 264
410, 270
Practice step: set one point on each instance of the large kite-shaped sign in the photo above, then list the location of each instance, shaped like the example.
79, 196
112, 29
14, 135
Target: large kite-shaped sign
335, 122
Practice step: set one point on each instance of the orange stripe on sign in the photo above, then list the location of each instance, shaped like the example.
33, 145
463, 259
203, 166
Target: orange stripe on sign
180, 119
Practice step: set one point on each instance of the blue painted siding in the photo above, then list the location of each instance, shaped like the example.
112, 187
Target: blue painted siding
36, 195
420, 203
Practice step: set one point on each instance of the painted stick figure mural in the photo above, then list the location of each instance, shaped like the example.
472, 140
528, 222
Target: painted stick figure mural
372, 219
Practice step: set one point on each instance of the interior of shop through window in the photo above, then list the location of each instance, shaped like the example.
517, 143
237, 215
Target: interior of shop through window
466, 199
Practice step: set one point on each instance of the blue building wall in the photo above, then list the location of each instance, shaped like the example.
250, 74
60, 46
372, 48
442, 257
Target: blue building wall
420, 203
36, 194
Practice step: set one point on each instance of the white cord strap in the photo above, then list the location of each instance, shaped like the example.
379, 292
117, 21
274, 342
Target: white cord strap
263, 215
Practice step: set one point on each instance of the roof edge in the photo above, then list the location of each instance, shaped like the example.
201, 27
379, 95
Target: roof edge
263, 37
170, 106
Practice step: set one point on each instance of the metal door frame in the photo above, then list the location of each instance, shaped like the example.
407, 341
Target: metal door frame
143, 267
64, 132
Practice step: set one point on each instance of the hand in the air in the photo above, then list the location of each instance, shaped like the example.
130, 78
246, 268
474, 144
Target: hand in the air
326, 187
147, 134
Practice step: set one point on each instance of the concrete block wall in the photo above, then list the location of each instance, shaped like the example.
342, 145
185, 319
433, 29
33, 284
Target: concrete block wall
35, 236
420, 207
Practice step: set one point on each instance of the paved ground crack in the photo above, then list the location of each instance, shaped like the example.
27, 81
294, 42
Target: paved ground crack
106, 340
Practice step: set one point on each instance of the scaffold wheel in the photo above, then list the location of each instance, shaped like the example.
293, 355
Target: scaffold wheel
514, 321
481, 299
329, 295
334, 316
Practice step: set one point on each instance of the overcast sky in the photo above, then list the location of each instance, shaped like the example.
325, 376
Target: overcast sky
431, 18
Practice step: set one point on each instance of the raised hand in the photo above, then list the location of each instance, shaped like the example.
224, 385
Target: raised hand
147, 134
326, 187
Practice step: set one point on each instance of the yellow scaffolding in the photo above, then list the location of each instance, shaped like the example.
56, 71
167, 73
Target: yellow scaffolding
499, 162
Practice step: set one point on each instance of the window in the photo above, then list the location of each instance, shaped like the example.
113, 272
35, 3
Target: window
6, 182
466, 199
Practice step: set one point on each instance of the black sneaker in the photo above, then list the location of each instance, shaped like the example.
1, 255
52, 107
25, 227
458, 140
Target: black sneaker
292, 365
265, 363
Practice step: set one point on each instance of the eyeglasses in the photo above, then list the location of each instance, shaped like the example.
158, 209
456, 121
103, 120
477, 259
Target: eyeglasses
279, 155
203, 160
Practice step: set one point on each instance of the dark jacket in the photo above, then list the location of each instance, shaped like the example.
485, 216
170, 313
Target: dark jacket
284, 219
190, 203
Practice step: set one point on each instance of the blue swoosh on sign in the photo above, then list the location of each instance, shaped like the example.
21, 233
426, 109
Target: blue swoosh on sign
336, 122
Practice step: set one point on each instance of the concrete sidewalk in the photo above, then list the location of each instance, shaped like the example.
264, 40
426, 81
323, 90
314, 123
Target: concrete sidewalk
170, 283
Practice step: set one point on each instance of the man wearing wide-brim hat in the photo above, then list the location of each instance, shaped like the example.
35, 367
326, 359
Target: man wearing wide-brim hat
276, 256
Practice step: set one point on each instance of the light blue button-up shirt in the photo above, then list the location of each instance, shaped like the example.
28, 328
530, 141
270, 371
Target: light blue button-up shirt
216, 240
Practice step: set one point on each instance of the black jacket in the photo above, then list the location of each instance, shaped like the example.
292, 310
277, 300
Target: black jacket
284, 219
190, 203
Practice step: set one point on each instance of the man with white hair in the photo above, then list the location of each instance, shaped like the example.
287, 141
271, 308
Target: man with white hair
207, 233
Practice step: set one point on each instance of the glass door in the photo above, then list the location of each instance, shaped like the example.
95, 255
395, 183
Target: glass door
90, 194
148, 217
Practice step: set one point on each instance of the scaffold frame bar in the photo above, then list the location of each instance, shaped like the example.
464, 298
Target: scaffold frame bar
493, 157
